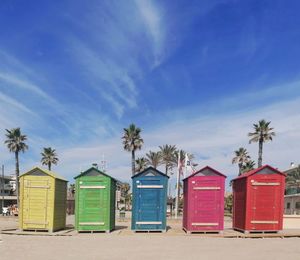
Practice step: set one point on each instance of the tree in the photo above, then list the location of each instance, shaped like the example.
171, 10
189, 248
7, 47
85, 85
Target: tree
179, 158
49, 157
141, 164
168, 156
125, 193
132, 141
229, 203
154, 159
262, 133
15, 142
248, 166
241, 157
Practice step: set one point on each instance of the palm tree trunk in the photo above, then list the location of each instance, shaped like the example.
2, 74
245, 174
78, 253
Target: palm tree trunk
166, 168
260, 151
17, 177
49, 166
133, 162
240, 168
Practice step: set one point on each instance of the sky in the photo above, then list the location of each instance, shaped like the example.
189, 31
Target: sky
195, 74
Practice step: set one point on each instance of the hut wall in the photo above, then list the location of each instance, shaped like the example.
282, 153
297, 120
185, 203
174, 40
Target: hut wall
60, 205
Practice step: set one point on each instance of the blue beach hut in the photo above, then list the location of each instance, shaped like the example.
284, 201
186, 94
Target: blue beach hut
149, 200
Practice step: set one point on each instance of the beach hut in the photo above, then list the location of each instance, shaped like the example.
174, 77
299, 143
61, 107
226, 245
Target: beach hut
43, 196
149, 195
204, 201
258, 198
94, 201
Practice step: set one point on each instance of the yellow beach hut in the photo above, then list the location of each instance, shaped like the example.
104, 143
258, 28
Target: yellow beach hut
43, 196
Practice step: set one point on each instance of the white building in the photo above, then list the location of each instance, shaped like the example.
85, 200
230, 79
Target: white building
292, 194
7, 191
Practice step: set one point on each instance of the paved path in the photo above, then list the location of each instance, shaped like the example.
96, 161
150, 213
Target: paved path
145, 246
126, 245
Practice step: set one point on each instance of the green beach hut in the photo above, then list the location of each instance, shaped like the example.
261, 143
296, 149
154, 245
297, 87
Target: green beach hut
94, 201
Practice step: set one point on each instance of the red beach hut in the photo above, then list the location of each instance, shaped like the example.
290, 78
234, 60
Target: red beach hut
204, 201
258, 200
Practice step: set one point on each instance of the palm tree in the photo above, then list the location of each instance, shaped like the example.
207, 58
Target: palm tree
179, 157
132, 141
49, 157
241, 157
153, 158
16, 143
168, 156
262, 133
141, 164
248, 166
181, 154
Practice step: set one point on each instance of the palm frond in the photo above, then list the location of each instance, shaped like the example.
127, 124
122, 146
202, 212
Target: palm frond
15, 141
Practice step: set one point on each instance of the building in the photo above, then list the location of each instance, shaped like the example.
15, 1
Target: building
149, 205
43, 197
292, 204
7, 191
292, 191
204, 201
95, 201
258, 197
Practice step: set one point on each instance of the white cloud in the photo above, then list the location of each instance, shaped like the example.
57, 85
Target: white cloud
111, 81
212, 139
153, 20
12, 102
24, 84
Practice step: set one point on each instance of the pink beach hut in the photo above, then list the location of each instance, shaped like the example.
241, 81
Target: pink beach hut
204, 201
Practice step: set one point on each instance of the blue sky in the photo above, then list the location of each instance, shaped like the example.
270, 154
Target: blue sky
196, 74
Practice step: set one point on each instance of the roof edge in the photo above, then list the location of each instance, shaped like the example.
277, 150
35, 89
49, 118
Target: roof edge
206, 167
96, 169
148, 168
50, 173
252, 172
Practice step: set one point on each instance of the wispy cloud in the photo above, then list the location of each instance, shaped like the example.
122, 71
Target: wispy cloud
153, 20
111, 81
10, 101
212, 139
24, 84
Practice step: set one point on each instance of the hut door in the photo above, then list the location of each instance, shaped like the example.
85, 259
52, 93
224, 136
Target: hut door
265, 195
35, 204
149, 215
206, 204
93, 203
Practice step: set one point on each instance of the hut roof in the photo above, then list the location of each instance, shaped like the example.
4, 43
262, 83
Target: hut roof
252, 172
206, 168
95, 169
148, 169
47, 172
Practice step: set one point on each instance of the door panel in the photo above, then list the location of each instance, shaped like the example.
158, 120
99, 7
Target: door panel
92, 205
35, 204
206, 204
265, 204
149, 204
